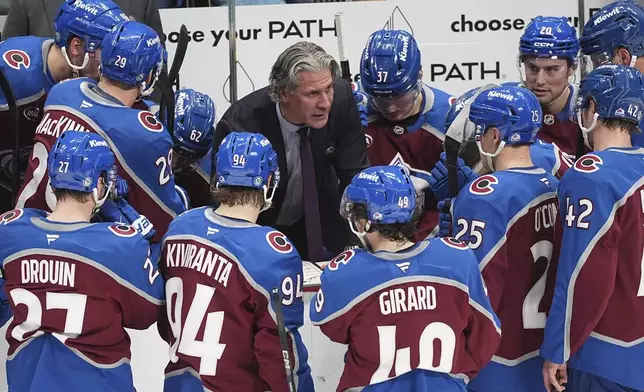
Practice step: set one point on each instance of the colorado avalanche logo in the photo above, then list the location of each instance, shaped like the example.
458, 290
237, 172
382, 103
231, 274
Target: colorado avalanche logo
279, 242
369, 139
454, 243
588, 163
150, 122
483, 185
10, 216
16, 59
123, 230
342, 258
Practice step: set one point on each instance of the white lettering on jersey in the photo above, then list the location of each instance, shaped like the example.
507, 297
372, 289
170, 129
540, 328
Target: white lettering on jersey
54, 127
48, 272
201, 259
413, 298
544, 216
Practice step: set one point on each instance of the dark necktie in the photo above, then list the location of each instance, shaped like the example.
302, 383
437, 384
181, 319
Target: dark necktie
310, 195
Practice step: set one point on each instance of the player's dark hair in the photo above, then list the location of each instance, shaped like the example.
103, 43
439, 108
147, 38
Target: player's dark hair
237, 196
397, 232
616, 124
65, 194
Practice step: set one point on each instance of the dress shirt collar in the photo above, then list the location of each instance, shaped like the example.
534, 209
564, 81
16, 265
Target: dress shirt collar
284, 123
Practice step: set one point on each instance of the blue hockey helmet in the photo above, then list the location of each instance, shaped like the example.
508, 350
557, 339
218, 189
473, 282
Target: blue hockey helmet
132, 53
619, 24
458, 105
248, 160
390, 66
78, 160
194, 120
552, 37
89, 20
618, 93
514, 111
386, 192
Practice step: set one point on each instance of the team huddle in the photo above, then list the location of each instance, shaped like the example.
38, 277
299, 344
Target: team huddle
514, 262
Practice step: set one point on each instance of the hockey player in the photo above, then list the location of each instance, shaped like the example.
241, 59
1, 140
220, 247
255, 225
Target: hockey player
544, 155
33, 65
131, 60
406, 117
548, 60
194, 121
508, 217
394, 303
220, 268
615, 34
75, 286
595, 322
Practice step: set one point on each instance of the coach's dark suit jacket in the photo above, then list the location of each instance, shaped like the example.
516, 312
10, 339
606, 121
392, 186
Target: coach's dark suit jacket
339, 152
36, 17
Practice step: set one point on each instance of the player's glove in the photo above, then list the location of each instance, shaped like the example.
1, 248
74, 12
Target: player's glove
361, 101
184, 196
121, 211
120, 187
444, 218
439, 182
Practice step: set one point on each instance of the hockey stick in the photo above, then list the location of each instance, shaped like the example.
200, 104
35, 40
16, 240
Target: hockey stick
455, 136
344, 62
581, 142
15, 118
281, 330
167, 82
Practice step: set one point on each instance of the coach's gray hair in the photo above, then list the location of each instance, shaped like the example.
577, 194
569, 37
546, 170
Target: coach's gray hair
300, 57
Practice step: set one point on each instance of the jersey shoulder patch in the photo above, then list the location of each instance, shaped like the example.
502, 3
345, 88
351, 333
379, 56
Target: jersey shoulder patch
11, 216
122, 230
149, 121
484, 185
341, 259
278, 242
588, 163
17, 59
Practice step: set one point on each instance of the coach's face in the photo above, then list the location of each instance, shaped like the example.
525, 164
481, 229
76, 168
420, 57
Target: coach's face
310, 103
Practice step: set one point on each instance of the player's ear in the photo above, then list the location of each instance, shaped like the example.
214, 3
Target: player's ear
75, 47
623, 56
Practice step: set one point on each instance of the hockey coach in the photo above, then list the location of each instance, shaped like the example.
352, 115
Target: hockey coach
309, 115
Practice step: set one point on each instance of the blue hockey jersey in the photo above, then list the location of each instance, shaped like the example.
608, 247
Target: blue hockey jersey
394, 309
508, 218
73, 288
141, 145
220, 273
24, 63
596, 322
550, 158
